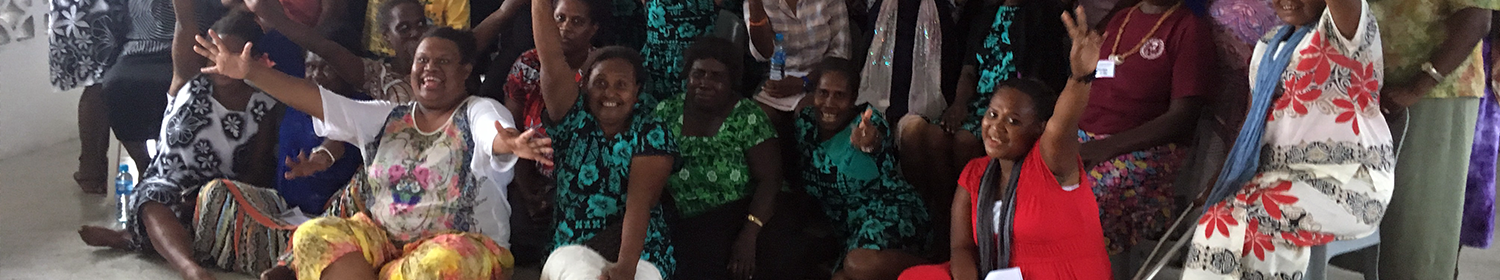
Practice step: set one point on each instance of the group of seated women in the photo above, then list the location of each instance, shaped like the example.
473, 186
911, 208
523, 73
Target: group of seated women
617, 185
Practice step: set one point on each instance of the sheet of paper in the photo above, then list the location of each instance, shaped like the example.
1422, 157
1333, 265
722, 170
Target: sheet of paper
1013, 273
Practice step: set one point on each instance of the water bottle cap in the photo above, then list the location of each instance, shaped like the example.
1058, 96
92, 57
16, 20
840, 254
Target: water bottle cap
779, 37
124, 168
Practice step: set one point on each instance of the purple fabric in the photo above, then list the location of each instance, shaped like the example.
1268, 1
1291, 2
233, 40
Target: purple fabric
1479, 195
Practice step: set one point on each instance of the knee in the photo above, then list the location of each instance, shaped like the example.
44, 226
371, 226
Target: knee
911, 133
861, 264
445, 254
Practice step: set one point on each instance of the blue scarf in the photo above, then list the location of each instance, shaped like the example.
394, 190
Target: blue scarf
1244, 157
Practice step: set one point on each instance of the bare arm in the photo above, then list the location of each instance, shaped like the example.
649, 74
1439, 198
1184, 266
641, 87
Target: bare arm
300, 94
1172, 126
648, 175
1465, 28
185, 63
763, 36
559, 89
961, 239
1059, 141
263, 150
486, 32
348, 66
765, 167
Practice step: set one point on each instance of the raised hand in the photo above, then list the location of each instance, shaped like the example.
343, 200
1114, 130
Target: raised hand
225, 62
1086, 42
864, 136
523, 145
306, 165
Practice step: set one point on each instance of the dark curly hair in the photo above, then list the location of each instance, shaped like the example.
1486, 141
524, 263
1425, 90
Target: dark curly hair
464, 40
1043, 98
850, 70
718, 49
240, 23
618, 52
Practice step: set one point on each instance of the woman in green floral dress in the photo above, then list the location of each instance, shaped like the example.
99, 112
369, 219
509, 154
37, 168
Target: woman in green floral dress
671, 26
615, 159
851, 169
731, 170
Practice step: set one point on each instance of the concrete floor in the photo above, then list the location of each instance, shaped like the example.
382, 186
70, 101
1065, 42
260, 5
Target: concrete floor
41, 208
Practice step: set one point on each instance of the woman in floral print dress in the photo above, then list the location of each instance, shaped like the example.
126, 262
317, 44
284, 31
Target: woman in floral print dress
1326, 160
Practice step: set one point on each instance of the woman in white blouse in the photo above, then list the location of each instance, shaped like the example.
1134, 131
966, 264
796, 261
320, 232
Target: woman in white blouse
436, 170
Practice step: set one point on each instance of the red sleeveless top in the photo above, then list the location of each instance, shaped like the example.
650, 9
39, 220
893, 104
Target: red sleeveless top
1057, 233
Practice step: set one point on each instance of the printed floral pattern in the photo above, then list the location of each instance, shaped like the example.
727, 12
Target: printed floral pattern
672, 28
862, 193
715, 170
422, 178
591, 192
1134, 192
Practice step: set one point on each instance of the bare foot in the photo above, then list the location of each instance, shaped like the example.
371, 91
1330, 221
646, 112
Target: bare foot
280, 272
197, 274
104, 237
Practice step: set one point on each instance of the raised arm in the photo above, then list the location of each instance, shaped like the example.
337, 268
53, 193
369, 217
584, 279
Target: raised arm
559, 87
1059, 141
762, 35
300, 94
348, 66
185, 63
486, 32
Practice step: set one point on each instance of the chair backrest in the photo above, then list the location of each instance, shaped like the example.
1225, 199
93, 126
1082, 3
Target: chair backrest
731, 27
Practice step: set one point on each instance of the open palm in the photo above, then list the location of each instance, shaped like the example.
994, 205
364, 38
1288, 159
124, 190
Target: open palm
1086, 42
225, 62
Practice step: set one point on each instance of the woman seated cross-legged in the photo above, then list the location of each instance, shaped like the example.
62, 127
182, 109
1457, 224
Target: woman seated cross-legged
615, 158
1026, 206
430, 201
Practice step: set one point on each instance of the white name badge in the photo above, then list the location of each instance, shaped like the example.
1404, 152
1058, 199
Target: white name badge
1013, 273
1105, 69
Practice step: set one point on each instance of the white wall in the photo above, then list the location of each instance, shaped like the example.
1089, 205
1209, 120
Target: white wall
32, 115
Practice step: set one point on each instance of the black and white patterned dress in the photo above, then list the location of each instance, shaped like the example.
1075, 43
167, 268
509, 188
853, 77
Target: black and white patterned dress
85, 38
200, 140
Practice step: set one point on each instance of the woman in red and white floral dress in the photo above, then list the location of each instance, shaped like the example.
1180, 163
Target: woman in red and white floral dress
1326, 160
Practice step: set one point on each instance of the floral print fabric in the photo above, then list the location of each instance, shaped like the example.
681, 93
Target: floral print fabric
862, 193
995, 61
417, 183
469, 256
714, 170
591, 190
1326, 170
84, 40
1413, 29
672, 27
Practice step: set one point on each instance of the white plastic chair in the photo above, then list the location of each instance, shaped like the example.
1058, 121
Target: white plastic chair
1318, 268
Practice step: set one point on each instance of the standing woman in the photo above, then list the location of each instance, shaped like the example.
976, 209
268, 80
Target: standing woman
81, 49
672, 25
1316, 167
850, 167
726, 189
1027, 204
617, 158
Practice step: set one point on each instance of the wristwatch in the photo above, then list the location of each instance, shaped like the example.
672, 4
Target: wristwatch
1089, 78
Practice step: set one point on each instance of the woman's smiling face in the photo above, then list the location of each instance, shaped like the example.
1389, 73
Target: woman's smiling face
438, 73
612, 91
1299, 12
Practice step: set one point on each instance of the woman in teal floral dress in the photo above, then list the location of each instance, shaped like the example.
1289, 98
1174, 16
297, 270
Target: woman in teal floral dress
671, 26
851, 170
731, 170
615, 157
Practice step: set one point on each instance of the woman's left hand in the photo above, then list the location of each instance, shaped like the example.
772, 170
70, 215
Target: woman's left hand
864, 136
742, 256
1086, 42
523, 145
615, 271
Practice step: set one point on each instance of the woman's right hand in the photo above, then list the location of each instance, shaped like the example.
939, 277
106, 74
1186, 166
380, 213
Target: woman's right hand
224, 62
953, 118
306, 165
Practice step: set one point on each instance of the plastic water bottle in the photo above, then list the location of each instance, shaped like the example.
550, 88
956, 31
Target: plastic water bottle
778, 60
124, 184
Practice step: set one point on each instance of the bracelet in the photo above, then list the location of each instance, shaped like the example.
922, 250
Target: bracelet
321, 149
753, 219
761, 22
1087, 78
1432, 72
